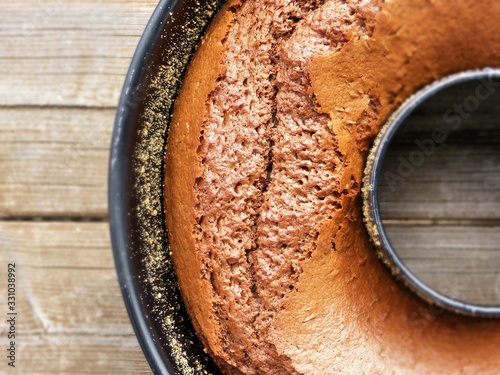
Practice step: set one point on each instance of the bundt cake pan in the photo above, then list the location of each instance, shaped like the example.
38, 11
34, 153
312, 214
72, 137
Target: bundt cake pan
137, 225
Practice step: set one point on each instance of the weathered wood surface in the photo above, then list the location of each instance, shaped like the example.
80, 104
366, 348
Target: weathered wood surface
460, 261
71, 316
53, 162
62, 66
457, 182
67, 53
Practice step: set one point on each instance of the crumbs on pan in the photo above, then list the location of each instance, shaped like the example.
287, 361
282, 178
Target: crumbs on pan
148, 164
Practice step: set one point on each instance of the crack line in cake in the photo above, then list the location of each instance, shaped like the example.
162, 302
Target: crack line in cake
235, 171
306, 155
263, 136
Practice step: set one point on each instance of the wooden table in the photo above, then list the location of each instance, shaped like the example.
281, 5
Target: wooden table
62, 64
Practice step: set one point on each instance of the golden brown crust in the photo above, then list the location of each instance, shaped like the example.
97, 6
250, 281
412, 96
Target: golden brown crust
346, 313
181, 169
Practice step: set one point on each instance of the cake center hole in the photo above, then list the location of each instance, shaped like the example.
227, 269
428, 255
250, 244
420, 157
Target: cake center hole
439, 191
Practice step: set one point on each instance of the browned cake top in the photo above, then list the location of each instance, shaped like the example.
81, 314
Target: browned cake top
263, 172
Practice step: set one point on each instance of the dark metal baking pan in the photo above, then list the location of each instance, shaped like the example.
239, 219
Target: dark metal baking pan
136, 208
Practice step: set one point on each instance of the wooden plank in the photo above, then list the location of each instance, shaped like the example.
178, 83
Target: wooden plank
461, 261
68, 53
70, 310
65, 14
54, 162
458, 181
67, 282
79, 354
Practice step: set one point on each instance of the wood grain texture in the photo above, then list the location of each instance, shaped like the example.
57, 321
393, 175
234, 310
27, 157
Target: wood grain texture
458, 181
67, 53
460, 261
70, 310
62, 66
54, 162
80, 354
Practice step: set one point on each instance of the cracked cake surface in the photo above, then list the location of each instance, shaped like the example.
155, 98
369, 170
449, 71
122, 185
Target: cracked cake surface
263, 170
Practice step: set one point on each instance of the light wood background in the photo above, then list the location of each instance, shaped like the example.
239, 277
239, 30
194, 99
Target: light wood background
62, 66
